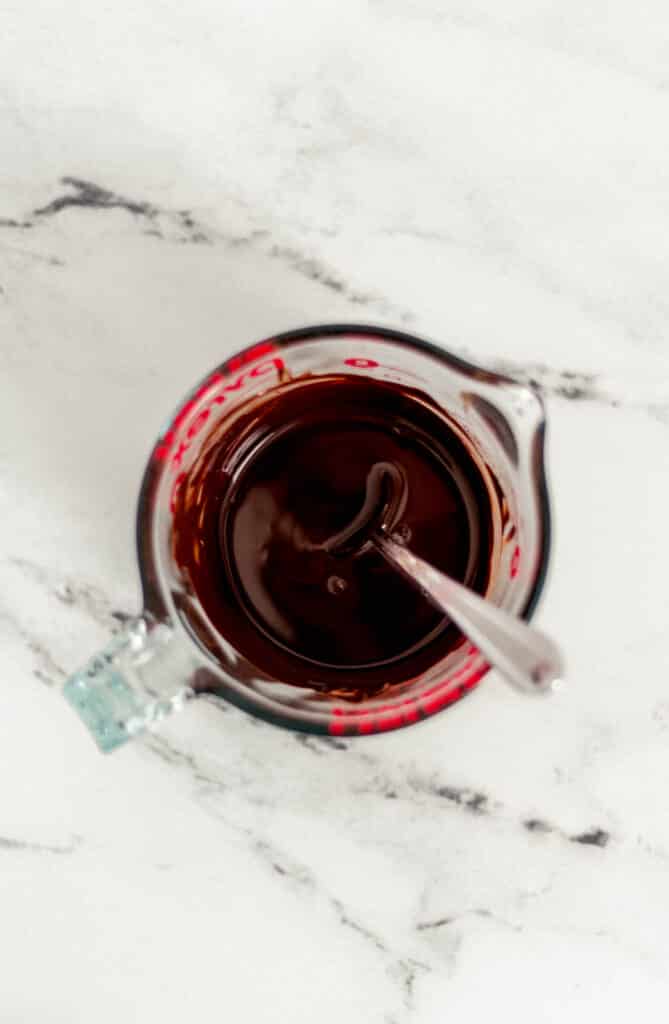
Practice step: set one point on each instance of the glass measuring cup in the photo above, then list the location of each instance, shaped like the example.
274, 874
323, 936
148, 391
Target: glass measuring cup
172, 652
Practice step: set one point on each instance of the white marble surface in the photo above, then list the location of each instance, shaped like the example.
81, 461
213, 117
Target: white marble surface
177, 181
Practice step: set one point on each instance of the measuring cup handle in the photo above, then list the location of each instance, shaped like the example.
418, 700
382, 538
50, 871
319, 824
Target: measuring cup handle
129, 686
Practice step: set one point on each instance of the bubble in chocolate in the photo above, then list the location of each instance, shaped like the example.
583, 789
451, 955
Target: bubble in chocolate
336, 585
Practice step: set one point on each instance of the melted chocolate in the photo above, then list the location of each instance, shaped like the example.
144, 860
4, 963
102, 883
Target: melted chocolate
256, 515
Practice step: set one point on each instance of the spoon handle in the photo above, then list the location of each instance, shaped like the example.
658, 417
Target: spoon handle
527, 659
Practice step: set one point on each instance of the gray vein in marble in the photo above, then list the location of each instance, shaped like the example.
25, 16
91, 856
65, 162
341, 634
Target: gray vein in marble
449, 924
407, 972
170, 754
45, 667
319, 744
461, 798
471, 800
348, 922
10, 222
182, 226
479, 804
404, 969
591, 837
85, 597
315, 270
569, 384
32, 256
572, 385
10, 843
86, 193
480, 912
537, 825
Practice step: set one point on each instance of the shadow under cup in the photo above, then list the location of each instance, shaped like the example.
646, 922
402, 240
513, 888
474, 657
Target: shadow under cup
503, 421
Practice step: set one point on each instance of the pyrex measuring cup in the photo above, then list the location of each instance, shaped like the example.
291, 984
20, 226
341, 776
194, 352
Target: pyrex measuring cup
172, 652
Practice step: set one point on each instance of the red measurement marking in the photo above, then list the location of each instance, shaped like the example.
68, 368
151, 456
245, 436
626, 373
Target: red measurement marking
410, 711
389, 720
198, 423
434, 701
263, 348
475, 677
337, 727
235, 386
515, 563
257, 371
362, 364
164, 448
178, 456
272, 364
347, 720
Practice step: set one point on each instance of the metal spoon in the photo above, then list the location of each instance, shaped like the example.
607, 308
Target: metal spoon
528, 659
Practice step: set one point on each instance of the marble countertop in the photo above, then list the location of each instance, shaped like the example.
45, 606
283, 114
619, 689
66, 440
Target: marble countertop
175, 183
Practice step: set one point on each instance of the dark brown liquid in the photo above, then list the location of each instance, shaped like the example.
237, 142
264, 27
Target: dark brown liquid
291, 471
